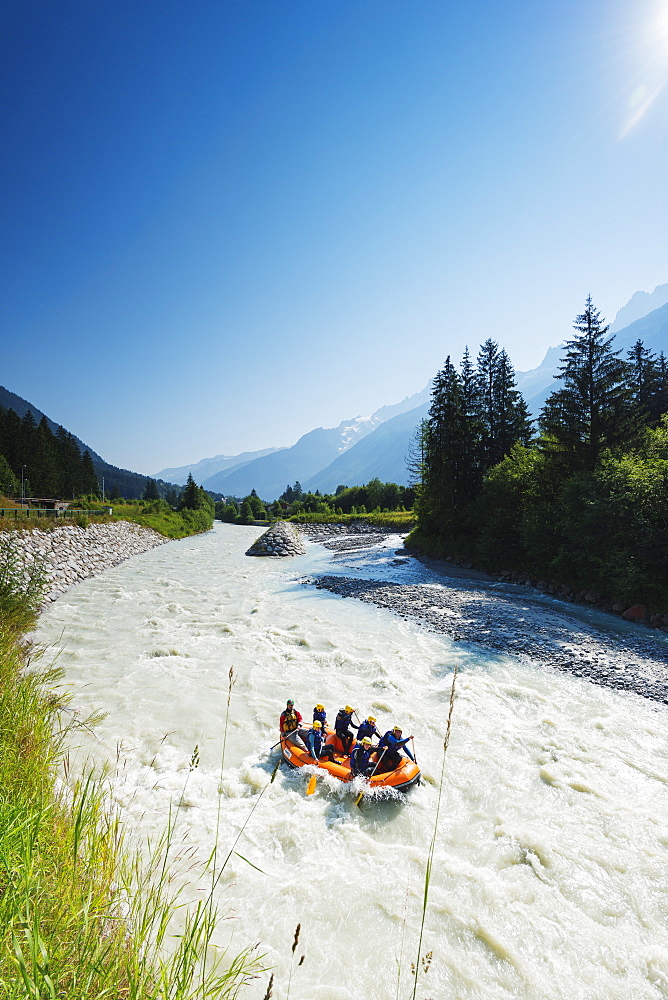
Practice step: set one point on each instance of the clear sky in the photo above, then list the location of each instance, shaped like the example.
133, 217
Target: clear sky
226, 222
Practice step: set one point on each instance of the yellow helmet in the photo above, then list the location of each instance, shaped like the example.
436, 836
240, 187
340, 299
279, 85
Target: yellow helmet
349, 708
317, 724
396, 729
371, 718
320, 708
366, 741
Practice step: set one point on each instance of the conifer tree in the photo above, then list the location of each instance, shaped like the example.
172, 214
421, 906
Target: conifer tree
9, 484
641, 378
44, 471
89, 483
487, 403
151, 490
190, 497
415, 456
513, 420
447, 466
593, 409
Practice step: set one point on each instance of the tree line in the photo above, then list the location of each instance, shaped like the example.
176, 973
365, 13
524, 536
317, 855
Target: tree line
580, 499
50, 465
374, 496
36, 462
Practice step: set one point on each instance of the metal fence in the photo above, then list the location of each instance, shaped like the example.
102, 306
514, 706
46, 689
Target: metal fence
19, 512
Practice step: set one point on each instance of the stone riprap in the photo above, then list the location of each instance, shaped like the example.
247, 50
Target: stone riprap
282, 539
70, 554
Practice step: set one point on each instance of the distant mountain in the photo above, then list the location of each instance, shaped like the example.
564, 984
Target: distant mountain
270, 475
208, 467
314, 451
129, 484
639, 305
381, 454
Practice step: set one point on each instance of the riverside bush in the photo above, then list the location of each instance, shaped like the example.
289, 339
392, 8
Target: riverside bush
162, 518
401, 520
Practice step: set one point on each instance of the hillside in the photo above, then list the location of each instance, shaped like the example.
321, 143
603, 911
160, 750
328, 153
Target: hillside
129, 484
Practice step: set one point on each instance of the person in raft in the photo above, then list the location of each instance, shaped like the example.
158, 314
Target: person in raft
315, 740
393, 744
342, 724
320, 715
291, 719
360, 758
368, 728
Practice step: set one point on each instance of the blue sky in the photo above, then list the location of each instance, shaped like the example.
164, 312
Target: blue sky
228, 222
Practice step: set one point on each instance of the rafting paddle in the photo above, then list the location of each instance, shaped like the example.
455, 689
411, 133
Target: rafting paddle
310, 788
285, 736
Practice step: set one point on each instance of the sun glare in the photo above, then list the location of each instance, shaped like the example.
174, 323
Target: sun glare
652, 65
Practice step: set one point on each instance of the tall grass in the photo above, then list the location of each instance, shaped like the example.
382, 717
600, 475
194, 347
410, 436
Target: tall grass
81, 917
426, 959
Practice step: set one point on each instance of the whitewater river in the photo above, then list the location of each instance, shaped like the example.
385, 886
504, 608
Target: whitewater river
549, 877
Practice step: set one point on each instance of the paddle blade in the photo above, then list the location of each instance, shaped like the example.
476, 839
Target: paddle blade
310, 788
358, 800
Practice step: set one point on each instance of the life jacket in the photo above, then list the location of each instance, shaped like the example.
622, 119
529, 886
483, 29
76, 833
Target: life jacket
359, 758
390, 741
289, 720
343, 720
366, 729
315, 741
320, 716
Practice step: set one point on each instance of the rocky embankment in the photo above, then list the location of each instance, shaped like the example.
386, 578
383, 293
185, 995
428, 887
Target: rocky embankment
281, 539
69, 554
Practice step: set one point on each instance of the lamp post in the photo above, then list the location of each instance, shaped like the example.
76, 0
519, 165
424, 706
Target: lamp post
22, 490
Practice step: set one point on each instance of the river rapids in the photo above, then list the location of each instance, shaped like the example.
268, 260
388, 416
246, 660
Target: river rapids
549, 873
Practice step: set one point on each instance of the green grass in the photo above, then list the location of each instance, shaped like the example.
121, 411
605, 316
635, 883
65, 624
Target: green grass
170, 523
80, 917
397, 520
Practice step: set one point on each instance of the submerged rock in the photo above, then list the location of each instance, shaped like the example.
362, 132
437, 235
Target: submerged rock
282, 539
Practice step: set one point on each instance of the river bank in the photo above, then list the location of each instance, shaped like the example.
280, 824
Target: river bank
472, 607
68, 554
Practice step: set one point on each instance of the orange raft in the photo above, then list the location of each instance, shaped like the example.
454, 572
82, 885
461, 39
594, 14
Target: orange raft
400, 778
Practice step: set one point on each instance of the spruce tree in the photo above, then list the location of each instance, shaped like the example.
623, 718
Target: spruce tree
660, 397
89, 482
447, 466
642, 379
190, 497
151, 490
593, 410
487, 403
512, 416
45, 460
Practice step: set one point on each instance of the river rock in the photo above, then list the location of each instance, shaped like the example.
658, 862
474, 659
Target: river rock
637, 613
281, 539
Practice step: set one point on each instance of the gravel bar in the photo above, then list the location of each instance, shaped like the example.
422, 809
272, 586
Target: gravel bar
631, 659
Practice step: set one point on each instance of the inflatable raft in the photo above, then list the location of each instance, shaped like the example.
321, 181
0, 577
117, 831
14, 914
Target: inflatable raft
296, 754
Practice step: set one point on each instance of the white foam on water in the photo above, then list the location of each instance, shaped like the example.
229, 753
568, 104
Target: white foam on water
549, 869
